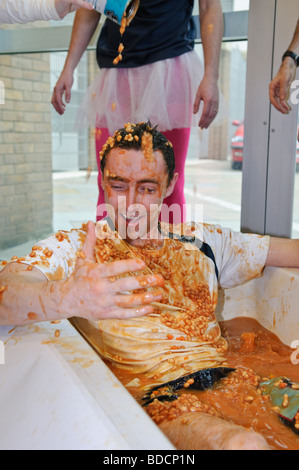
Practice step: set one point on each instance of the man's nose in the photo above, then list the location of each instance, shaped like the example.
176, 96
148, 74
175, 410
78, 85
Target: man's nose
131, 197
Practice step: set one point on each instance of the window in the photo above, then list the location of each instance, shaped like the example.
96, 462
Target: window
214, 162
215, 157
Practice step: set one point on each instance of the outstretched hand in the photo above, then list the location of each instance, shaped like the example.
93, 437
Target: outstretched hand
279, 88
93, 292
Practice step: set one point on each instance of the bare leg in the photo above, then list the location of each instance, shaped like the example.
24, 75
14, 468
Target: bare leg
201, 431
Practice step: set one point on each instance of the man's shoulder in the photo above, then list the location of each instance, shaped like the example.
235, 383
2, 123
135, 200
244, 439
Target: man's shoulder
191, 229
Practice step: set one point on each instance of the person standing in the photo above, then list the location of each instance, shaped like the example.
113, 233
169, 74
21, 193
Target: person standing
157, 76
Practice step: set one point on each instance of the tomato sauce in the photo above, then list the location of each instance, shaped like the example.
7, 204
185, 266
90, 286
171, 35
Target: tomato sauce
251, 347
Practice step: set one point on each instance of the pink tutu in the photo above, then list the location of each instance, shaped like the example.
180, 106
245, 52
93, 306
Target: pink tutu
163, 92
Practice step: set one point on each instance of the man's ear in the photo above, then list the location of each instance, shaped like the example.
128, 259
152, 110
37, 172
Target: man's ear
171, 185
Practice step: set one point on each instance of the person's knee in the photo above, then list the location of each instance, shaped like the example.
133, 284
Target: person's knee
246, 440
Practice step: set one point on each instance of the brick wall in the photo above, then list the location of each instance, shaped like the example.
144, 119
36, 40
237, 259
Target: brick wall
25, 149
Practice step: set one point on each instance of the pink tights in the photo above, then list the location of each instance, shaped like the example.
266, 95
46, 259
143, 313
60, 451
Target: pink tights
180, 141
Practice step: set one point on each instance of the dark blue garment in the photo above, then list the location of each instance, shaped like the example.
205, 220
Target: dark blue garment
200, 245
160, 30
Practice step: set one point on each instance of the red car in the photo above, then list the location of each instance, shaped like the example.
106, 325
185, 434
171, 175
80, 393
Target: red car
237, 147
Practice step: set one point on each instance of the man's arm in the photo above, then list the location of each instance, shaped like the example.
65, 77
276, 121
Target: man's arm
90, 292
211, 28
85, 24
283, 252
25, 11
279, 88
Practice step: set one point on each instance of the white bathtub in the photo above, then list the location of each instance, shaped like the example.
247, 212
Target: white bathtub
56, 393
273, 300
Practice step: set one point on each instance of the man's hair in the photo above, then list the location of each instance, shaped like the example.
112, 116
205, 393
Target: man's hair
141, 136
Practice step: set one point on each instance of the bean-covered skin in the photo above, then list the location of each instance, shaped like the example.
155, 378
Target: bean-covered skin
91, 292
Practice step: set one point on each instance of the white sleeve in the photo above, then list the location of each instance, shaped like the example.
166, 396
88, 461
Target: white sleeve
239, 257
56, 256
25, 11
243, 257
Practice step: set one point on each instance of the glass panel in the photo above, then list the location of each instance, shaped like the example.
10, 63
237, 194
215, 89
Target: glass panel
48, 176
229, 5
234, 5
214, 162
36, 144
69, 144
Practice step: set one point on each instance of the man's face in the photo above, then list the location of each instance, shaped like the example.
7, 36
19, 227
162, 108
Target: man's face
134, 188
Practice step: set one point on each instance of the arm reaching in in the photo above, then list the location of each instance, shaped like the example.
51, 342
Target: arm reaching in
283, 252
85, 24
26, 11
90, 292
279, 88
211, 27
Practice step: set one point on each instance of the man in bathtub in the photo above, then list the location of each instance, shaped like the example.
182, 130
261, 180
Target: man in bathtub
152, 288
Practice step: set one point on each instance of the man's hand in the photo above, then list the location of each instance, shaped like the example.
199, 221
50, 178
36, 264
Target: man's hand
207, 92
92, 291
67, 6
279, 88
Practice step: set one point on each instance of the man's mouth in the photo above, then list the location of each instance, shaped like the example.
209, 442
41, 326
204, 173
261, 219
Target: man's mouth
131, 218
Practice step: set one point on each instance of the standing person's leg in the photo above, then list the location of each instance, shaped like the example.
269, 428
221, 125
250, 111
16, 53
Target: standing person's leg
180, 141
101, 136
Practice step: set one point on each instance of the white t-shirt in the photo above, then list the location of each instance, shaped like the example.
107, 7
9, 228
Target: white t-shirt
25, 11
239, 257
194, 267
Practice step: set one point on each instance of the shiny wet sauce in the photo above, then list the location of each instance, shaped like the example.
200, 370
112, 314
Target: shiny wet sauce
262, 352
268, 357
